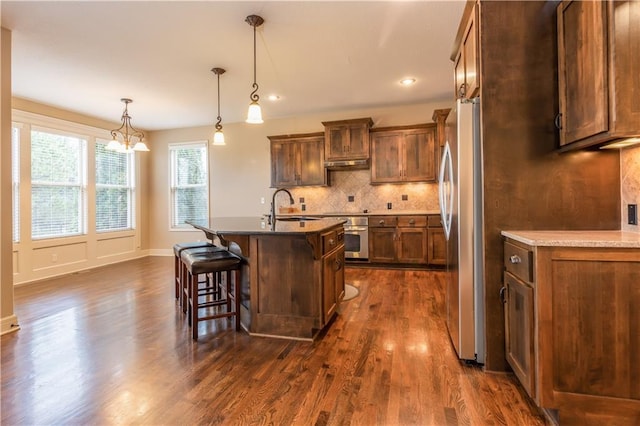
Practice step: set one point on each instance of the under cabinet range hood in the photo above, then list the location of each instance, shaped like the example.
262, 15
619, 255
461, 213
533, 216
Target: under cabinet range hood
347, 164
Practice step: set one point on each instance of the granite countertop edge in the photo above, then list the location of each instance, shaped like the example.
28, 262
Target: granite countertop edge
586, 238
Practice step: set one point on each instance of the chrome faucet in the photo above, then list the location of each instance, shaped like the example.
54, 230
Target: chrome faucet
272, 215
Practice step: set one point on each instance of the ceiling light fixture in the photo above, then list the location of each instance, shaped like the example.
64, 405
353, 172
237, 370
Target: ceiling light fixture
127, 131
407, 81
218, 136
254, 115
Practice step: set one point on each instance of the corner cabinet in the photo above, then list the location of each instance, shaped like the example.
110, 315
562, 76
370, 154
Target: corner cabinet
465, 57
297, 160
598, 76
347, 139
404, 154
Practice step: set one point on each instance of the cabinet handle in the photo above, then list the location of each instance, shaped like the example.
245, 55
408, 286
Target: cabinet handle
381, 222
332, 242
558, 121
338, 265
412, 221
515, 259
503, 292
462, 91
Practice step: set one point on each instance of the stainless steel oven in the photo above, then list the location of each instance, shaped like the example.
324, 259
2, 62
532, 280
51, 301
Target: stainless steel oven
356, 237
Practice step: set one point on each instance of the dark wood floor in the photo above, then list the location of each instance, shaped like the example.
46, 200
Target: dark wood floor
109, 346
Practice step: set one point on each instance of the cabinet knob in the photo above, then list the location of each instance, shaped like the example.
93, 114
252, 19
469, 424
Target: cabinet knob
412, 221
381, 222
338, 265
515, 259
332, 242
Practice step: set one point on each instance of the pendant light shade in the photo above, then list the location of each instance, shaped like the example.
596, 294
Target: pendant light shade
218, 136
254, 115
127, 132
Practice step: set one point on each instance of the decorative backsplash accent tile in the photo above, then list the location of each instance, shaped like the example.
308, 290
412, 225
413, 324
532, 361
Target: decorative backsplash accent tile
629, 183
345, 184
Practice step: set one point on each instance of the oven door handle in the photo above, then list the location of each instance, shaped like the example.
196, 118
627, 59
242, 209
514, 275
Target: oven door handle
354, 229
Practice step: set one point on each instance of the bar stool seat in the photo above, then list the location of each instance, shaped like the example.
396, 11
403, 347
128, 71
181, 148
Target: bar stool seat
211, 261
177, 266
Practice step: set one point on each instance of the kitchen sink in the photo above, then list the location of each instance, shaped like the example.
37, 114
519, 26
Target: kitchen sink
296, 218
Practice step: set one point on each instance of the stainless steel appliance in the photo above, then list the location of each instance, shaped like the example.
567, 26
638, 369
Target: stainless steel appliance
460, 193
356, 237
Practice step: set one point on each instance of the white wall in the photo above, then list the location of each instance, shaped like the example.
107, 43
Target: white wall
240, 171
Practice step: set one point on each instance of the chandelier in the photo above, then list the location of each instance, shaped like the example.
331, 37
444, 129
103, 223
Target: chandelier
218, 136
126, 132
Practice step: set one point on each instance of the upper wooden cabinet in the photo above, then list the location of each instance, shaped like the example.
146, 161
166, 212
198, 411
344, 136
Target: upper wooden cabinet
404, 154
598, 75
465, 55
297, 160
347, 139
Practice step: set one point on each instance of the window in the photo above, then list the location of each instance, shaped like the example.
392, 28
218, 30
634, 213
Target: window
114, 189
15, 180
58, 184
189, 183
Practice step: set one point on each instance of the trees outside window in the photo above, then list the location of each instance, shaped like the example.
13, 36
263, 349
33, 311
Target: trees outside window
189, 183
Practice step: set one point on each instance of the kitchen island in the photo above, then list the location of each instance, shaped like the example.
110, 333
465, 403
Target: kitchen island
296, 272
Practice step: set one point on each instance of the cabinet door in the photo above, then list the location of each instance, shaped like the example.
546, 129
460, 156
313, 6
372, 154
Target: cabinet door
330, 266
336, 141
436, 247
386, 157
284, 164
339, 275
419, 156
358, 145
519, 331
582, 69
412, 245
311, 157
382, 245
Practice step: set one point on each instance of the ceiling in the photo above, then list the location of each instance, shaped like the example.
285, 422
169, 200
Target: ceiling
84, 56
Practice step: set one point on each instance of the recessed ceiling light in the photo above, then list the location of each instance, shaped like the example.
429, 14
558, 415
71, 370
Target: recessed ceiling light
274, 97
407, 81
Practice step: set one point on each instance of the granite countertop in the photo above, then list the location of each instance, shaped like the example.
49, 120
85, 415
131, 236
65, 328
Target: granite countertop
613, 239
259, 225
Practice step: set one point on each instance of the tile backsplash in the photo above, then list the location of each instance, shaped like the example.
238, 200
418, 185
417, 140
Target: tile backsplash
629, 183
346, 185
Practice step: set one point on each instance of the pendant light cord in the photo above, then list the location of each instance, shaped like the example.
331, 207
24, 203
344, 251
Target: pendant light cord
218, 125
254, 95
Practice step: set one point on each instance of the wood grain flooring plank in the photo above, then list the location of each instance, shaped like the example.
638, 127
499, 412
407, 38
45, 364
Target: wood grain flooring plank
111, 346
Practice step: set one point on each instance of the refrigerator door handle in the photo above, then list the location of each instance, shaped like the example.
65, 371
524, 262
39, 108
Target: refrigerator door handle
446, 203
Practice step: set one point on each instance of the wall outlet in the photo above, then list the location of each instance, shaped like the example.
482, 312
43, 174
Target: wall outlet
303, 207
301, 200
261, 200
405, 197
632, 213
351, 198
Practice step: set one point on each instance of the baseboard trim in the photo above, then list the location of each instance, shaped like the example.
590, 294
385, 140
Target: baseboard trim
9, 325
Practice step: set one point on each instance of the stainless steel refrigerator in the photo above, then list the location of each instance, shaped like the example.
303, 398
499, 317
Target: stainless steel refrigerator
460, 196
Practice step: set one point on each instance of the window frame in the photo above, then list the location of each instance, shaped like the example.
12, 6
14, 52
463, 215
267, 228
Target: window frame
172, 148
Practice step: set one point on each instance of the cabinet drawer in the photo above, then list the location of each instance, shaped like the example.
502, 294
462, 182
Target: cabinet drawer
383, 221
433, 221
518, 261
412, 221
331, 240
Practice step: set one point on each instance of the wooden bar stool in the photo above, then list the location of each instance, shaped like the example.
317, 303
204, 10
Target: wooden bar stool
212, 261
177, 265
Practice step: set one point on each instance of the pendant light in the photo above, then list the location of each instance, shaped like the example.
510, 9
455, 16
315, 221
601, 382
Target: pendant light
127, 132
254, 115
218, 136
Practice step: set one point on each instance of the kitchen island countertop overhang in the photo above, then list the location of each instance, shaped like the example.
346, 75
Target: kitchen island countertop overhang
295, 272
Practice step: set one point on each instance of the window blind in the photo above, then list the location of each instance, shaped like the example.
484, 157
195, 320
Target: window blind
114, 189
15, 180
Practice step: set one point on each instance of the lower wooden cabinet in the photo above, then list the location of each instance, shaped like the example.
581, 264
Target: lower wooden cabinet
436, 242
518, 311
573, 328
398, 239
332, 273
